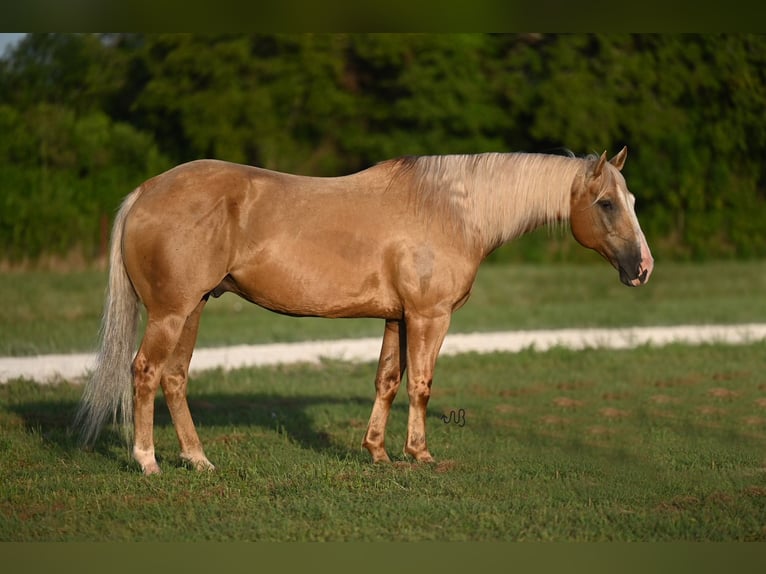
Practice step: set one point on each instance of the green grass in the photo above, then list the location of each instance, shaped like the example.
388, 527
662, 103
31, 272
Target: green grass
45, 312
649, 444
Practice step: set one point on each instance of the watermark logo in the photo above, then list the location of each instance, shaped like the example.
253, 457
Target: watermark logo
457, 418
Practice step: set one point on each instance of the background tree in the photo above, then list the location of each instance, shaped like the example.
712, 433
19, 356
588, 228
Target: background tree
87, 117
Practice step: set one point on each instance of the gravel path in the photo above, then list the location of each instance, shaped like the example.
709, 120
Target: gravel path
51, 368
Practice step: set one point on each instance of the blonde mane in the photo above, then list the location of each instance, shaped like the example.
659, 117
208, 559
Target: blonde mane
492, 198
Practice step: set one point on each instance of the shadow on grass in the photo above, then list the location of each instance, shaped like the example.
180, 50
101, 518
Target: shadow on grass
302, 418
53, 420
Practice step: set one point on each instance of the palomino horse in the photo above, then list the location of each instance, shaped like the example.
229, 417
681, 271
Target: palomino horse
400, 241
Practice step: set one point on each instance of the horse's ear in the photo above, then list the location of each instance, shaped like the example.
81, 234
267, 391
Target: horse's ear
619, 160
599, 165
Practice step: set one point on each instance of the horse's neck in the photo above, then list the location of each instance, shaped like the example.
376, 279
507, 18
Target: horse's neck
523, 192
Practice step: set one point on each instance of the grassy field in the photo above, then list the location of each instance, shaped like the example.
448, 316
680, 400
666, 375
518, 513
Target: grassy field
650, 445
644, 445
47, 312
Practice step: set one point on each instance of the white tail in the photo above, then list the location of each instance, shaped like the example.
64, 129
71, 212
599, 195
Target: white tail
110, 387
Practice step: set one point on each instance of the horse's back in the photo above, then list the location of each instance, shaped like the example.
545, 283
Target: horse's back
195, 181
345, 246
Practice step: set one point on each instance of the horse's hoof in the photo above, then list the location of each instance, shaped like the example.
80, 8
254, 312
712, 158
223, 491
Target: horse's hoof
198, 464
423, 456
204, 466
381, 458
151, 468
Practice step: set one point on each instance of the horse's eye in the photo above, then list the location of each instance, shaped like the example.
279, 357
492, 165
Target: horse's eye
606, 205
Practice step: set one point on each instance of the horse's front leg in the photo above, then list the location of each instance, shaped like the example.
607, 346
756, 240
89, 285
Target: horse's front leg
391, 365
425, 336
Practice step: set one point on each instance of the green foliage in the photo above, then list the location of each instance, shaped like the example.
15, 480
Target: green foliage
62, 174
86, 117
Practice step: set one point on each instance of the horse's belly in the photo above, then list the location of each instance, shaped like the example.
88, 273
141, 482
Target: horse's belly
318, 289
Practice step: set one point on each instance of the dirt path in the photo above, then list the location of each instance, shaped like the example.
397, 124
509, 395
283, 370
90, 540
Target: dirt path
50, 368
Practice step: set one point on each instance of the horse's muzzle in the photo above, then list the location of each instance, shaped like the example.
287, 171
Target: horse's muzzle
637, 273
638, 277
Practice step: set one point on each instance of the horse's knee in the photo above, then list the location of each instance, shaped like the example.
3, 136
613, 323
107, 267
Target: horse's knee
419, 391
387, 387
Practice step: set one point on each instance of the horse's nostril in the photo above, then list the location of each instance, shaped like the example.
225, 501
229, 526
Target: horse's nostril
642, 276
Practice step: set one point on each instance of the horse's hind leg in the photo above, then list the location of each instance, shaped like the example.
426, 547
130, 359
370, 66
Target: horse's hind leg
393, 360
160, 339
174, 383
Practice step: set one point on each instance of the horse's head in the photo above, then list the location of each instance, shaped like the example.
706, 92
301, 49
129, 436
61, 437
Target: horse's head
603, 218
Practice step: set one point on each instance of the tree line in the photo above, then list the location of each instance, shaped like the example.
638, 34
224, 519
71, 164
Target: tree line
86, 117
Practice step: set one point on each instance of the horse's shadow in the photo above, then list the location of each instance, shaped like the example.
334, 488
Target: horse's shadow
290, 415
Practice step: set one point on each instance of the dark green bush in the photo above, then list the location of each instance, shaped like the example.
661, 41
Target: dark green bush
84, 118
